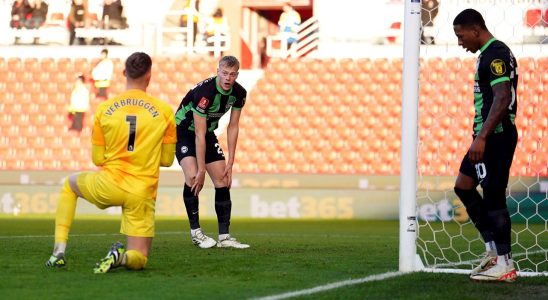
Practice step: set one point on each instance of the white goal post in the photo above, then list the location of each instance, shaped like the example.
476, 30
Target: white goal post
409, 136
452, 245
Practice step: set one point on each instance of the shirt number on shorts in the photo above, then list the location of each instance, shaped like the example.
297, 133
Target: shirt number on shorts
219, 150
481, 171
132, 120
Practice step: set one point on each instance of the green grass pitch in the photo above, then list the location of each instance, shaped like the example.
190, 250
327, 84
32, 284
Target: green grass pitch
285, 256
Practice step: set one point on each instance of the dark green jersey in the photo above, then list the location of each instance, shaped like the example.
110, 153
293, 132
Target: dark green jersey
208, 100
495, 64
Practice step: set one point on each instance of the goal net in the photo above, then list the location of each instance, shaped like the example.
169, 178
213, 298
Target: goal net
446, 239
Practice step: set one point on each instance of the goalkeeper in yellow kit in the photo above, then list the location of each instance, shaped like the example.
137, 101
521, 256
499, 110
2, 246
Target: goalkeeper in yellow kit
133, 135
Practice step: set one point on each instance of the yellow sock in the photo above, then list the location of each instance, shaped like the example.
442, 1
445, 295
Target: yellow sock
135, 260
66, 208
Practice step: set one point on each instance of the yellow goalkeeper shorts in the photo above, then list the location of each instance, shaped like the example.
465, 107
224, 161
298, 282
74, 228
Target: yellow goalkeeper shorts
137, 212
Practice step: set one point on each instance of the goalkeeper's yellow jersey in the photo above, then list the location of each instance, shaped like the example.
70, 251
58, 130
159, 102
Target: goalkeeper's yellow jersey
132, 127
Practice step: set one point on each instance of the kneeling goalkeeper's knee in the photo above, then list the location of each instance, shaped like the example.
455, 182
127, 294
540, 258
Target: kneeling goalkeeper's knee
135, 260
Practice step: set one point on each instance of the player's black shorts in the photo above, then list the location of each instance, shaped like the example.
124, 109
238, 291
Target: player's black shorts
494, 171
186, 146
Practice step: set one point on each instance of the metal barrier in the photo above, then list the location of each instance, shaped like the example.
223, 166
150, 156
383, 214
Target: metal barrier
307, 41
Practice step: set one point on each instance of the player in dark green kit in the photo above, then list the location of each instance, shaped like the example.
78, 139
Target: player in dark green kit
198, 150
489, 158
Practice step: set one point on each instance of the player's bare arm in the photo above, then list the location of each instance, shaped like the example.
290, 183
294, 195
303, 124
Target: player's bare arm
232, 140
501, 102
200, 130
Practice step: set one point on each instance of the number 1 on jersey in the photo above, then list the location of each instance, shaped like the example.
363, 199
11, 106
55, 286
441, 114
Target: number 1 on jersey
132, 120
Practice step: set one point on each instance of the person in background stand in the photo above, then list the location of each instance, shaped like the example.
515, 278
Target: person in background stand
19, 11
289, 23
217, 27
102, 74
79, 103
184, 18
77, 18
38, 14
113, 14
113, 18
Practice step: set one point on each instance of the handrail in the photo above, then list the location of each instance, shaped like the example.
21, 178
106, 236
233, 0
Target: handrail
307, 40
309, 44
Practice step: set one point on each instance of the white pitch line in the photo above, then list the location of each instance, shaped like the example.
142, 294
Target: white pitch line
305, 235
334, 285
5, 237
181, 232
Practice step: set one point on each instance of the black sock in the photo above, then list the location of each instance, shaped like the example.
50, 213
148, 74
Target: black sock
502, 231
499, 219
191, 204
223, 208
477, 211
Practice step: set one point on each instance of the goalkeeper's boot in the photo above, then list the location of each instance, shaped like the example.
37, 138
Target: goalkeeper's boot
112, 260
56, 261
497, 273
486, 263
230, 242
201, 240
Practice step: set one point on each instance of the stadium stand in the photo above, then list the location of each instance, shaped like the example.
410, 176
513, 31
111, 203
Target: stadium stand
299, 118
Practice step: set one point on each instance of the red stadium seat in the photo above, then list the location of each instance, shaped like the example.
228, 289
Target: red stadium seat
533, 17
297, 67
14, 163
539, 164
25, 77
542, 62
397, 64
53, 164
74, 142
66, 65
316, 66
395, 26
56, 19
165, 65
61, 77
529, 146
15, 64
48, 64
8, 78
31, 65
526, 65
81, 65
